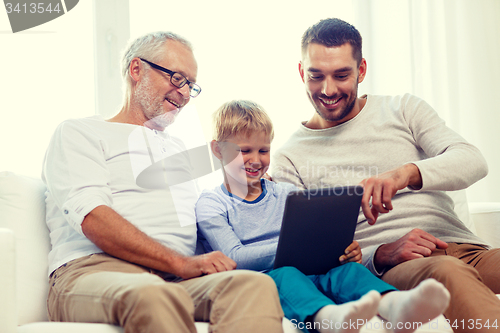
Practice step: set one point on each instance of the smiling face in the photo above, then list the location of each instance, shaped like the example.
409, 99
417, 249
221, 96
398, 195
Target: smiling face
245, 159
331, 76
157, 100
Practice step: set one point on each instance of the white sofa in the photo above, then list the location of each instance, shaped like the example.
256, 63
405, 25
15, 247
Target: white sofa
24, 245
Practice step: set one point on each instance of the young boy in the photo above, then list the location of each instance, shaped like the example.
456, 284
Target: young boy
242, 219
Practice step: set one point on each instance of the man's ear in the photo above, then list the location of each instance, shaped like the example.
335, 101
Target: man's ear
301, 71
136, 69
214, 145
362, 70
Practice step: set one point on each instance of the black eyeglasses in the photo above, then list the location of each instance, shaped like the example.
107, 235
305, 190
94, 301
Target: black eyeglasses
177, 79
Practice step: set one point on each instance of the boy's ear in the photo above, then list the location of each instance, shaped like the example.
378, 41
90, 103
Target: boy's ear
214, 145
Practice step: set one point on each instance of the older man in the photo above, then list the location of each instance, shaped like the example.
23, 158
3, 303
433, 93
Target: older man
123, 252
404, 156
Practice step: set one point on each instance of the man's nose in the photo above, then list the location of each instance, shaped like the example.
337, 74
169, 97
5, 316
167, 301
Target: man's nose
185, 91
329, 87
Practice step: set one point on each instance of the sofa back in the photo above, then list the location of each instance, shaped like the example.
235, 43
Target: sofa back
22, 209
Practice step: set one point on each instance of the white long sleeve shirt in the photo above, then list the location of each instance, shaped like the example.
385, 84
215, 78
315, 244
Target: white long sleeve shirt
92, 162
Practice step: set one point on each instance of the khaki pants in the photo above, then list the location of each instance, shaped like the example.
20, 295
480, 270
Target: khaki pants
472, 275
103, 289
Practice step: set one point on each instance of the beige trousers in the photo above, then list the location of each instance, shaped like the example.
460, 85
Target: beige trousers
103, 289
472, 275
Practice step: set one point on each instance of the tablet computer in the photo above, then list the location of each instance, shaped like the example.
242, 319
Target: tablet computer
318, 225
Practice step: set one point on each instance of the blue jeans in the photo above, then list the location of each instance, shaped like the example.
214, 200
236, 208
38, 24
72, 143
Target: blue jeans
302, 296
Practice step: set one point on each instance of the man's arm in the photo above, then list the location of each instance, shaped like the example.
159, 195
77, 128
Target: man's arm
415, 244
452, 164
381, 189
118, 237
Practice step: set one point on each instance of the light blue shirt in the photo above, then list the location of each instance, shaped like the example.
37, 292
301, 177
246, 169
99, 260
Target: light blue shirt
246, 232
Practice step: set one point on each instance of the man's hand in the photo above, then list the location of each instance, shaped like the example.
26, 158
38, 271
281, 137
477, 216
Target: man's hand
352, 254
381, 189
207, 263
415, 244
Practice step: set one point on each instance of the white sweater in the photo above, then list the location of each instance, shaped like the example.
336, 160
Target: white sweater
387, 133
91, 162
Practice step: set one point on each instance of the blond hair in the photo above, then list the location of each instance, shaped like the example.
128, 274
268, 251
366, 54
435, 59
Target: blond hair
241, 117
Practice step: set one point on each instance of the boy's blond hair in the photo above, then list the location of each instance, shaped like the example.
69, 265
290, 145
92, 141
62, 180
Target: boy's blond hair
241, 117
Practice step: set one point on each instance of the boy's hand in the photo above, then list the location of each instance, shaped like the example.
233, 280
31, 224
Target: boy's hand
352, 254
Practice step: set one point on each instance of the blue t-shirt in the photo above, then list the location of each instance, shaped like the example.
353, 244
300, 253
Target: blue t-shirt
245, 231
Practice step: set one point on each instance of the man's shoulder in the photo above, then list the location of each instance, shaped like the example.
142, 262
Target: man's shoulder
79, 123
292, 141
396, 101
84, 120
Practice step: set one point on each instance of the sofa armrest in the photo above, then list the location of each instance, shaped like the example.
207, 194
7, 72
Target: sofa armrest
8, 308
486, 219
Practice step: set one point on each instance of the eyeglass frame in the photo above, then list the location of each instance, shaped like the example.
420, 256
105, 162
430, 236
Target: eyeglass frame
172, 73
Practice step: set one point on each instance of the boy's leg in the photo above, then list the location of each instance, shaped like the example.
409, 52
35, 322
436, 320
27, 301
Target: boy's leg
349, 282
309, 309
236, 301
103, 289
300, 299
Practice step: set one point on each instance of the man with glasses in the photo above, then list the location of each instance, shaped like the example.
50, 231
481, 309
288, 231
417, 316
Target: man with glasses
123, 248
405, 157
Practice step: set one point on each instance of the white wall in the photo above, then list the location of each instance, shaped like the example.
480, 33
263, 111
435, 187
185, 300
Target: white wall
245, 50
250, 50
47, 76
446, 52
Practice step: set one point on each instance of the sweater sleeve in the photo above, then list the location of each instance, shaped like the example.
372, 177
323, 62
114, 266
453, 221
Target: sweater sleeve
453, 163
214, 225
75, 173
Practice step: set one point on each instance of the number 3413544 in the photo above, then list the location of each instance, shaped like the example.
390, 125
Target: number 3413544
32, 8
472, 324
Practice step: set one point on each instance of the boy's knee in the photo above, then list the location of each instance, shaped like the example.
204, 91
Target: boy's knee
286, 272
352, 268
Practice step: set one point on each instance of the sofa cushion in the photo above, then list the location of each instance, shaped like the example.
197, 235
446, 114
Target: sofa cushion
22, 209
486, 218
7, 281
68, 328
